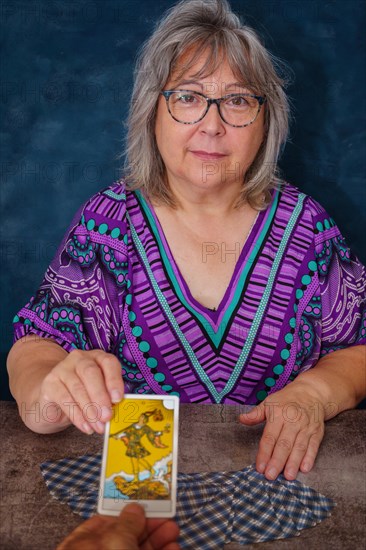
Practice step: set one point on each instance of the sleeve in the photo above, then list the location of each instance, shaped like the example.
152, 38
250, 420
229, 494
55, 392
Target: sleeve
342, 284
78, 303
152, 435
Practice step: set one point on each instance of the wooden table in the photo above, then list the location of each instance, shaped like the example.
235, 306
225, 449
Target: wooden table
211, 439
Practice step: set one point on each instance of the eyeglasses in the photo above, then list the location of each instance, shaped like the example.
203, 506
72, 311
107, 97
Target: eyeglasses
189, 107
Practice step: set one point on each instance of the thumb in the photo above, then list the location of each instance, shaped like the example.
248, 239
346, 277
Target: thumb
255, 416
129, 527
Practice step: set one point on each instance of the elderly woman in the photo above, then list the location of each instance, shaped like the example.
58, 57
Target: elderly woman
201, 274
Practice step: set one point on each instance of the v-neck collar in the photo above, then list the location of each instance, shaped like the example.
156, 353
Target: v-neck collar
214, 323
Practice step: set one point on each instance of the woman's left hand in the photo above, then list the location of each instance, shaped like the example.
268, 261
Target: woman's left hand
293, 432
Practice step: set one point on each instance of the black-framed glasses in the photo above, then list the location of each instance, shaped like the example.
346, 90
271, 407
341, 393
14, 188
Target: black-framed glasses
188, 107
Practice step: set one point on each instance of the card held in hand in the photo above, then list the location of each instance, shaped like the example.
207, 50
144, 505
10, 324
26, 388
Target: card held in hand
140, 456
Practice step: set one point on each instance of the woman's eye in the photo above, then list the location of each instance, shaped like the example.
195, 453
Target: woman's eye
187, 98
238, 101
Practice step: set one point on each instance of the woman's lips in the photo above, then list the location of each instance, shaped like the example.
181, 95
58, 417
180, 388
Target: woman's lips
204, 155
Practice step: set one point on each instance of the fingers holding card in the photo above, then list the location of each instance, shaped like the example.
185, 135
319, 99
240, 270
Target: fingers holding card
140, 456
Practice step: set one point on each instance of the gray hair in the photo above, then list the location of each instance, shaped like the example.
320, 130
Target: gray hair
200, 25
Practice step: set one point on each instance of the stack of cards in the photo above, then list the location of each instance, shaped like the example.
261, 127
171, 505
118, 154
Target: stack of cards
140, 456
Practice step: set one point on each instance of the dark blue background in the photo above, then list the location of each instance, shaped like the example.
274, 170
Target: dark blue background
67, 75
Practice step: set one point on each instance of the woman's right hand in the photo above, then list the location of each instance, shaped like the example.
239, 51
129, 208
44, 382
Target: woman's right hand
81, 389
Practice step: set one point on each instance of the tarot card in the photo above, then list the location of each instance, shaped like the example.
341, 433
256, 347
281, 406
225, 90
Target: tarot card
140, 456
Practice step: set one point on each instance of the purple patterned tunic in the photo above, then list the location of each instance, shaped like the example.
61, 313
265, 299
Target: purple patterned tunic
296, 294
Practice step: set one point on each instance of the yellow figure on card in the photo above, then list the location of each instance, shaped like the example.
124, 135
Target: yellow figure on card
133, 434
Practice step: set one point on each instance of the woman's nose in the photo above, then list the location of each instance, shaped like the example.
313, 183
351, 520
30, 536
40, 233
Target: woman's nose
212, 122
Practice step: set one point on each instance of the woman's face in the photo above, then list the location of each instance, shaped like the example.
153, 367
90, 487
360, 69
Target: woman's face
209, 154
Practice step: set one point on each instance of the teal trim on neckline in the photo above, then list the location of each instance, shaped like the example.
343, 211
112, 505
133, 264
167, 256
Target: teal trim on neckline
217, 335
264, 300
164, 304
218, 397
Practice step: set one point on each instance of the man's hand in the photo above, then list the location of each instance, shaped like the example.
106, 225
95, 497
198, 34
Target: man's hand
129, 531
